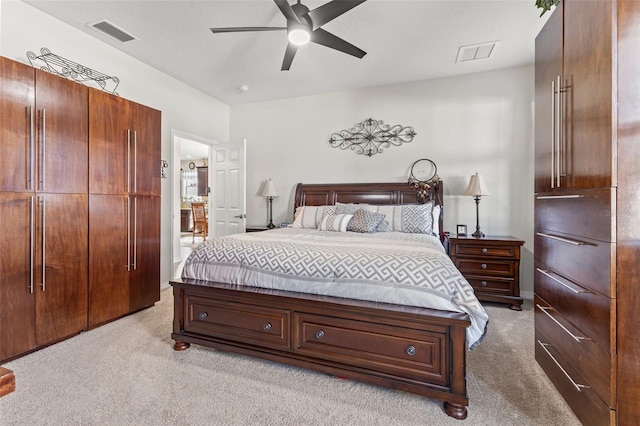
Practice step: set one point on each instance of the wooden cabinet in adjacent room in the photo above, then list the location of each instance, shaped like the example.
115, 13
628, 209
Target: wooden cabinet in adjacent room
43, 208
587, 214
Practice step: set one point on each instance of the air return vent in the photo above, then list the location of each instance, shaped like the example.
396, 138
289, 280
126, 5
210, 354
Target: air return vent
113, 31
476, 51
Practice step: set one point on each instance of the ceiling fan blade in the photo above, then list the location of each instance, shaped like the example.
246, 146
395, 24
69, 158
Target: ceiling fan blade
286, 10
288, 56
243, 29
325, 38
329, 11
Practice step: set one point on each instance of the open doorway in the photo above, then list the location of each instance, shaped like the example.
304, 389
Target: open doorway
191, 182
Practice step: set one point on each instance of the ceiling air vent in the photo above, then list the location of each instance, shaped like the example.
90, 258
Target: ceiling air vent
476, 51
113, 31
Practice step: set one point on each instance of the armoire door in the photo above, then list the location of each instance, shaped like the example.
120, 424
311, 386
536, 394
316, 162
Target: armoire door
62, 148
17, 103
61, 266
17, 265
110, 144
590, 106
145, 276
548, 72
110, 257
146, 128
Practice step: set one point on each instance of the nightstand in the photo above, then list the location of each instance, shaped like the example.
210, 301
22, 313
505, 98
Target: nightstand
255, 228
491, 264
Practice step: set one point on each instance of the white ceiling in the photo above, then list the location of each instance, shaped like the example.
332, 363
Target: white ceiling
405, 40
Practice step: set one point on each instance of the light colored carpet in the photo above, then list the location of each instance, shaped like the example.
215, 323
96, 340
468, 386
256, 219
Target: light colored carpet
126, 373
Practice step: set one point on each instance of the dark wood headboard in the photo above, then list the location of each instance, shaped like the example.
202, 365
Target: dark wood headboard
319, 194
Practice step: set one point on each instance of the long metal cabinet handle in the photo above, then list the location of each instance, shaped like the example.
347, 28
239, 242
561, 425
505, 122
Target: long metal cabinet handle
578, 339
564, 240
135, 233
44, 243
547, 274
43, 148
578, 386
32, 241
559, 132
135, 161
128, 235
30, 149
553, 130
559, 197
129, 160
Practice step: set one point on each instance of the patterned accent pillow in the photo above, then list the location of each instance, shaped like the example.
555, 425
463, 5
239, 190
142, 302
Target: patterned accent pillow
335, 222
365, 221
309, 217
413, 218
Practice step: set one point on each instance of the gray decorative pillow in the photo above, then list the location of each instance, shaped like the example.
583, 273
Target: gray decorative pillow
335, 222
351, 208
365, 221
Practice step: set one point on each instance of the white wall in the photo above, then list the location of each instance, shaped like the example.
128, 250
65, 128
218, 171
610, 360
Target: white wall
24, 28
474, 123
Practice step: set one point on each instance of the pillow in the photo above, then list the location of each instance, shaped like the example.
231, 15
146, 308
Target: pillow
335, 222
411, 218
309, 217
435, 213
365, 221
351, 208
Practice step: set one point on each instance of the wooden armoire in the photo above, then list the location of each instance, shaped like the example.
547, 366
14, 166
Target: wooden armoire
587, 207
49, 173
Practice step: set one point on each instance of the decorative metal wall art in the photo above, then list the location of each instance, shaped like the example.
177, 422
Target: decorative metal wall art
423, 177
370, 136
56, 64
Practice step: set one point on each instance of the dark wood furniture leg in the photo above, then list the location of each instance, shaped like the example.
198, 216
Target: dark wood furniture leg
7, 381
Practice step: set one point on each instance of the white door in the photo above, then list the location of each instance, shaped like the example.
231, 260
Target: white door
229, 190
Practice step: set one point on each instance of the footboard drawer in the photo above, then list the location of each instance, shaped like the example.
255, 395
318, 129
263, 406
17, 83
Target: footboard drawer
418, 355
239, 322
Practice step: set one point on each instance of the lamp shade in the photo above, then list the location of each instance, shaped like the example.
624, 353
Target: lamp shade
269, 189
476, 186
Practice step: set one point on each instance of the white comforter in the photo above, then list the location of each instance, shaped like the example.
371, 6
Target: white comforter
390, 267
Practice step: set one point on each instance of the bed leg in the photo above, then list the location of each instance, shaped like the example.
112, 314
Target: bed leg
181, 346
456, 411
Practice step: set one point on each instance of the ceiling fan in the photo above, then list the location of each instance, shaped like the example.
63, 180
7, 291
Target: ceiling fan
304, 25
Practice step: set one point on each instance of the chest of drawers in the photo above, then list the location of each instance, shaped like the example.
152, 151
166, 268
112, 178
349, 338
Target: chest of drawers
491, 265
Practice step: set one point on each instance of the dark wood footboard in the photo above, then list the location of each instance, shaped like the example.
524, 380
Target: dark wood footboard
417, 350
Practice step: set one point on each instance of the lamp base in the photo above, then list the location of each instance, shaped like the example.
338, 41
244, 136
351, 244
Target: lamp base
478, 234
271, 226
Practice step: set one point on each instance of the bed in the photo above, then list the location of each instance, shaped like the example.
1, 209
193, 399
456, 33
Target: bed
310, 295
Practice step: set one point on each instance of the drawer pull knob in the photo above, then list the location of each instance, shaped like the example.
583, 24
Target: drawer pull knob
319, 334
483, 283
203, 315
483, 266
411, 350
484, 250
578, 386
544, 310
267, 326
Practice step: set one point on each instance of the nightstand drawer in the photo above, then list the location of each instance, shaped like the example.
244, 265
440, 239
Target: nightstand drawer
491, 285
486, 267
504, 251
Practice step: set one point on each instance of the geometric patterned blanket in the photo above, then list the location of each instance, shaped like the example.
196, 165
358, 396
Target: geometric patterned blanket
392, 267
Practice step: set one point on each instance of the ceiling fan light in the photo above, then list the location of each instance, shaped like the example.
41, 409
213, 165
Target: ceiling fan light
299, 36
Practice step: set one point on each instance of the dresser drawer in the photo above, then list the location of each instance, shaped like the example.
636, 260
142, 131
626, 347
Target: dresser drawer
419, 356
491, 285
587, 213
487, 250
589, 311
586, 358
486, 267
239, 322
584, 261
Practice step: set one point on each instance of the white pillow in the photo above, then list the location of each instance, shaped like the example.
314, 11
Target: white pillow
335, 222
436, 220
309, 217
